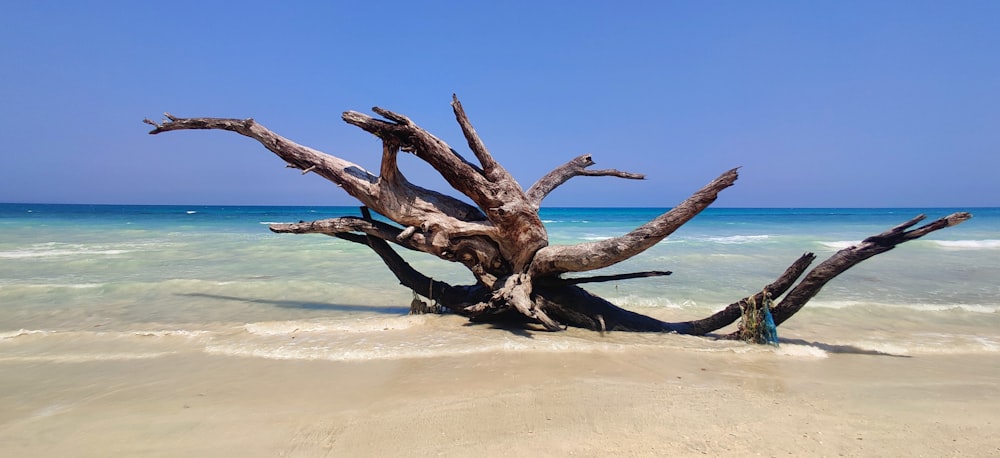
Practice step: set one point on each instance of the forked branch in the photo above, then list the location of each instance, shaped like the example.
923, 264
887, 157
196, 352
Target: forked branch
416, 206
519, 230
454, 298
575, 167
731, 313
491, 168
852, 255
595, 255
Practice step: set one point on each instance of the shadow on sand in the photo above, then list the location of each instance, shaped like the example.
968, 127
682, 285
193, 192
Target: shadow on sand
842, 349
513, 326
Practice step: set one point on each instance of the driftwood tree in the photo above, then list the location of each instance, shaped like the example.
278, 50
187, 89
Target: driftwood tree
501, 239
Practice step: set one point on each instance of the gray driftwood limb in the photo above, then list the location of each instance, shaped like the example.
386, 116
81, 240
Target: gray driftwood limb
499, 236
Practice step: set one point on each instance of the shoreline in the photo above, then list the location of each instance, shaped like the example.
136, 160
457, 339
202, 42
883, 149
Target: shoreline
642, 402
168, 333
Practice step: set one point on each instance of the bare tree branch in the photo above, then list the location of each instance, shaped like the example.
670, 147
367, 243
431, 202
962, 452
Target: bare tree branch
403, 202
575, 167
357, 181
479, 253
731, 313
458, 172
852, 255
454, 298
493, 170
353, 224
595, 255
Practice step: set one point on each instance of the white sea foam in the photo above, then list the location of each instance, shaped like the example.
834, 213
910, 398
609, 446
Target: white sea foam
800, 351
313, 352
969, 244
172, 332
84, 357
104, 336
648, 301
990, 345
21, 333
595, 238
54, 285
59, 249
951, 347
974, 308
282, 328
836, 304
920, 307
54, 252
305, 340
738, 239
406, 349
190, 212
839, 245
905, 344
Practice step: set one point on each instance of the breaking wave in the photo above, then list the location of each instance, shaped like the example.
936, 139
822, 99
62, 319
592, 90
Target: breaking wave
968, 244
59, 249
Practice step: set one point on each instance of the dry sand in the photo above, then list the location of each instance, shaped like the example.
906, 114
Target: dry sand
673, 402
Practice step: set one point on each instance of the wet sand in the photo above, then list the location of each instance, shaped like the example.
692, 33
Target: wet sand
646, 402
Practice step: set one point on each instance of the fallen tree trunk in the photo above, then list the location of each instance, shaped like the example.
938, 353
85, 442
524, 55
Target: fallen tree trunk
501, 239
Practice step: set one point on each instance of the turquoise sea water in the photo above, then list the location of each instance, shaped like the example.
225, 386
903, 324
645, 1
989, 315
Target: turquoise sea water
79, 282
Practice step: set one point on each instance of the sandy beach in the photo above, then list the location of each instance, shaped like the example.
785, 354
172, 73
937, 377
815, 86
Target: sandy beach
171, 331
740, 401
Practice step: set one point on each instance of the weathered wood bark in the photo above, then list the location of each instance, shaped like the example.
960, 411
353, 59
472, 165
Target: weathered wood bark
596, 255
501, 239
852, 255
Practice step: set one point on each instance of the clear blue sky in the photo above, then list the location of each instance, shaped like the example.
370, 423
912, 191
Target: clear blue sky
823, 103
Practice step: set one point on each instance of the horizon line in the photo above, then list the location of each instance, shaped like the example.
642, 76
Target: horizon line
542, 208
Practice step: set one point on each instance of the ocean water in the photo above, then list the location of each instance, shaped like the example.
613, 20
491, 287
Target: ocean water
91, 282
